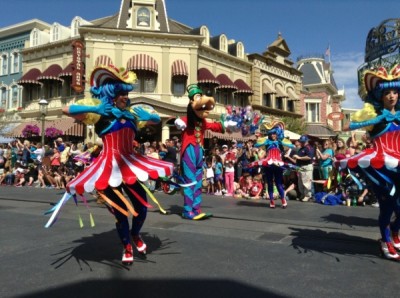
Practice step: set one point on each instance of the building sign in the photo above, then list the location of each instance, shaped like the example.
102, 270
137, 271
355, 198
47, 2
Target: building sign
383, 40
78, 70
335, 116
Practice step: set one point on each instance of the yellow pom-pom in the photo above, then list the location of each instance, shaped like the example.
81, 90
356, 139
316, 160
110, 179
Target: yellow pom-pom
367, 113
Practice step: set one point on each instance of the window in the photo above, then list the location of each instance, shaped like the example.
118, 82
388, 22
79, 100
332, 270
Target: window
53, 89
240, 99
312, 112
223, 96
146, 81
279, 103
4, 64
267, 100
56, 31
206, 34
143, 17
76, 27
240, 50
178, 85
15, 62
290, 105
35, 37
3, 92
14, 93
223, 43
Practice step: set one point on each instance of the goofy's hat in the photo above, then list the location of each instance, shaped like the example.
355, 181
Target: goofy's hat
192, 90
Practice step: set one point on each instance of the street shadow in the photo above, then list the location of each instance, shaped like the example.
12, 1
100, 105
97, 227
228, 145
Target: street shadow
176, 288
105, 248
307, 241
178, 210
351, 221
253, 203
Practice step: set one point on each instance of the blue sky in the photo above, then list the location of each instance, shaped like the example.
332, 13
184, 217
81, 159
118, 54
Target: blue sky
308, 26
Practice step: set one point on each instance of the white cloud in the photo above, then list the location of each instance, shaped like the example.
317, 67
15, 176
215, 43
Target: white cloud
345, 67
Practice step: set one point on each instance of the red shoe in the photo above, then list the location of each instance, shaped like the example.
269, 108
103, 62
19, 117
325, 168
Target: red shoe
140, 245
284, 203
127, 255
271, 204
396, 240
389, 252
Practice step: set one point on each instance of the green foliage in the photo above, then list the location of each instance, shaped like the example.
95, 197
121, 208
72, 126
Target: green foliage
297, 125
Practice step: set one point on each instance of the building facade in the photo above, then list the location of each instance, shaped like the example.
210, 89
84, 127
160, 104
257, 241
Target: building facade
166, 56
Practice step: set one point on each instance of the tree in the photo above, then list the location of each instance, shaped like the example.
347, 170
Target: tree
297, 125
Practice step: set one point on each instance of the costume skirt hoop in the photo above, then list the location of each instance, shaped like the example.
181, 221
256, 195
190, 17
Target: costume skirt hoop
117, 163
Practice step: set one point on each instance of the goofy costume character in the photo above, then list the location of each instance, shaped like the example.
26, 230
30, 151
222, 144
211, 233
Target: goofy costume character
193, 127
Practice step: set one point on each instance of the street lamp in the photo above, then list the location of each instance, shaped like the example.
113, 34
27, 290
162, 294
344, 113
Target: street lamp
43, 112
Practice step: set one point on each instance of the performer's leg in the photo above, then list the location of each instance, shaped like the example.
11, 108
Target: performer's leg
192, 161
138, 221
395, 225
122, 223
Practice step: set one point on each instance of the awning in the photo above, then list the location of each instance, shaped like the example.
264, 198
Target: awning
179, 68
225, 82
67, 72
67, 125
280, 92
228, 136
267, 88
204, 76
291, 135
242, 87
30, 77
103, 60
51, 73
320, 131
142, 62
292, 94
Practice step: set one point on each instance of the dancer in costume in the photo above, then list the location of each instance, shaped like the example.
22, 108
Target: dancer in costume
193, 127
118, 166
380, 164
273, 163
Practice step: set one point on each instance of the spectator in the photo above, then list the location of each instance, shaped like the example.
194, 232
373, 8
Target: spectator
325, 159
210, 177
304, 158
59, 144
341, 151
218, 172
55, 159
242, 188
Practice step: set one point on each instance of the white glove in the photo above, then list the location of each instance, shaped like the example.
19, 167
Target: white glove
180, 124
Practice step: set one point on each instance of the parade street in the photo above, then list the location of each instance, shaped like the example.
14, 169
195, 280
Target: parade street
245, 250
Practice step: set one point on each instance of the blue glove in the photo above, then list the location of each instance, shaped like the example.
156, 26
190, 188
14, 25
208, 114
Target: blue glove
103, 109
144, 115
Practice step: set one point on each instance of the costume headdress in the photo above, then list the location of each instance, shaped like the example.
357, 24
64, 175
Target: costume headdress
103, 74
275, 127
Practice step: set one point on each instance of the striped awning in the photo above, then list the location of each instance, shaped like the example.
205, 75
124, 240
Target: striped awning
51, 73
267, 88
242, 87
204, 76
292, 94
30, 77
67, 72
103, 60
225, 82
67, 125
280, 92
142, 62
179, 68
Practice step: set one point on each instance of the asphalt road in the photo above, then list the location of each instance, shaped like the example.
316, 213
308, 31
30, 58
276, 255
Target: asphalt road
245, 250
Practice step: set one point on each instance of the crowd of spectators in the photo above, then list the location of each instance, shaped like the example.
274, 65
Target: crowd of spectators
229, 166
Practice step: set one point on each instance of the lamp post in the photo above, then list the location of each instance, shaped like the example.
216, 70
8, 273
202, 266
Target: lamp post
43, 112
